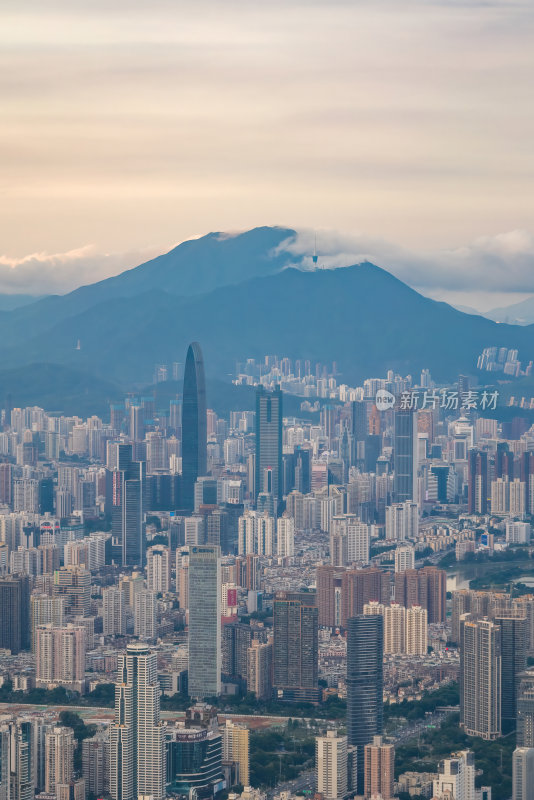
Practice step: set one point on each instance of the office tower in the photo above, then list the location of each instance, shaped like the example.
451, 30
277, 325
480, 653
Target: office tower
236, 747
158, 569
359, 586
60, 657
15, 613
137, 423
269, 413
480, 677
59, 755
259, 669
513, 662
285, 536
402, 521
523, 773
456, 777
365, 679
204, 622
360, 431
404, 558
73, 584
145, 615
379, 769
194, 761
95, 763
416, 631
331, 765
477, 481
394, 628
426, 587
45, 610
127, 490
75, 790
405, 456
194, 425
114, 612
295, 646
137, 754
525, 709
236, 640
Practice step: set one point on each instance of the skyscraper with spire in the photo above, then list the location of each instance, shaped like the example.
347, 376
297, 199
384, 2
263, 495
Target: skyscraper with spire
194, 426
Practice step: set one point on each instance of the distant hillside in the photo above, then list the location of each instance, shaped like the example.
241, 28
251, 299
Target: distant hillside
516, 314
194, 267
234, 296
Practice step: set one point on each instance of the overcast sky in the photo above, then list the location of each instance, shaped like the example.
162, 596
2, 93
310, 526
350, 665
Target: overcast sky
406, 125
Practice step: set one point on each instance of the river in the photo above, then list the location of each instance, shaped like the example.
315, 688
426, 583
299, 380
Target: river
459, 575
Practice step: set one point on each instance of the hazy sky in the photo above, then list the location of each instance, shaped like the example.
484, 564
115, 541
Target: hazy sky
130, 126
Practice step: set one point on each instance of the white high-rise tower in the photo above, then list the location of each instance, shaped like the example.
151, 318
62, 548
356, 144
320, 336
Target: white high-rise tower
137, 746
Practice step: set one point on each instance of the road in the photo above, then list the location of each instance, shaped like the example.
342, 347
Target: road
306, 780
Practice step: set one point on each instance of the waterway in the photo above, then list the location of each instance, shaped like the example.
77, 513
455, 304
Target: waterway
459, 575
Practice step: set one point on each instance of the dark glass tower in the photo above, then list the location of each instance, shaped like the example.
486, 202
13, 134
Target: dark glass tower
365, 680
269, 443
405, 456
513, 662
129, 489
15, 613
194, 426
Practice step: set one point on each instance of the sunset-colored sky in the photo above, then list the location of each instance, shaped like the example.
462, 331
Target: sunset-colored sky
130, 126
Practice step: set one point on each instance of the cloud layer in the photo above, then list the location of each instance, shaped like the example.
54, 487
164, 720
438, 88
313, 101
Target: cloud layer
132, 122
59, 273
503, 263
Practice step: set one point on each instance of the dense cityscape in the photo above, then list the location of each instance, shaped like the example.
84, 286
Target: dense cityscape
266, 606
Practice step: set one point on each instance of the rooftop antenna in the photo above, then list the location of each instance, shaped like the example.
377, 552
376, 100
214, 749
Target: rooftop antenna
315, 256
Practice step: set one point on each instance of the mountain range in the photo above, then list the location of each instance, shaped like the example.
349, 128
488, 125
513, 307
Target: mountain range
241, 296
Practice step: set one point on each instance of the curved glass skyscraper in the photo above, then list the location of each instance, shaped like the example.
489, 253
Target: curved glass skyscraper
194, 426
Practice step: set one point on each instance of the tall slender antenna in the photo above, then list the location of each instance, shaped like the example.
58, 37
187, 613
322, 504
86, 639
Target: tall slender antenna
315, 257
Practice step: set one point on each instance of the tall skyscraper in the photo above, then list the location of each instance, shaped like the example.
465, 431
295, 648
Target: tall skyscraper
204, 621
525, 709
145, 615
379, 769
114, 611
15, 613
416, 631
480, 677
295, 646
158, 569
194, 425
523, 773
59, 754
268, 477
513, 662
137, 747
331, 765
236, 747
477, 481
45, 610
405, 456
365, 680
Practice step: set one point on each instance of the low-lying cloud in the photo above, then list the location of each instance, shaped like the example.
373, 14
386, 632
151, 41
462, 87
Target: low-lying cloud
59, 273
502, 264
